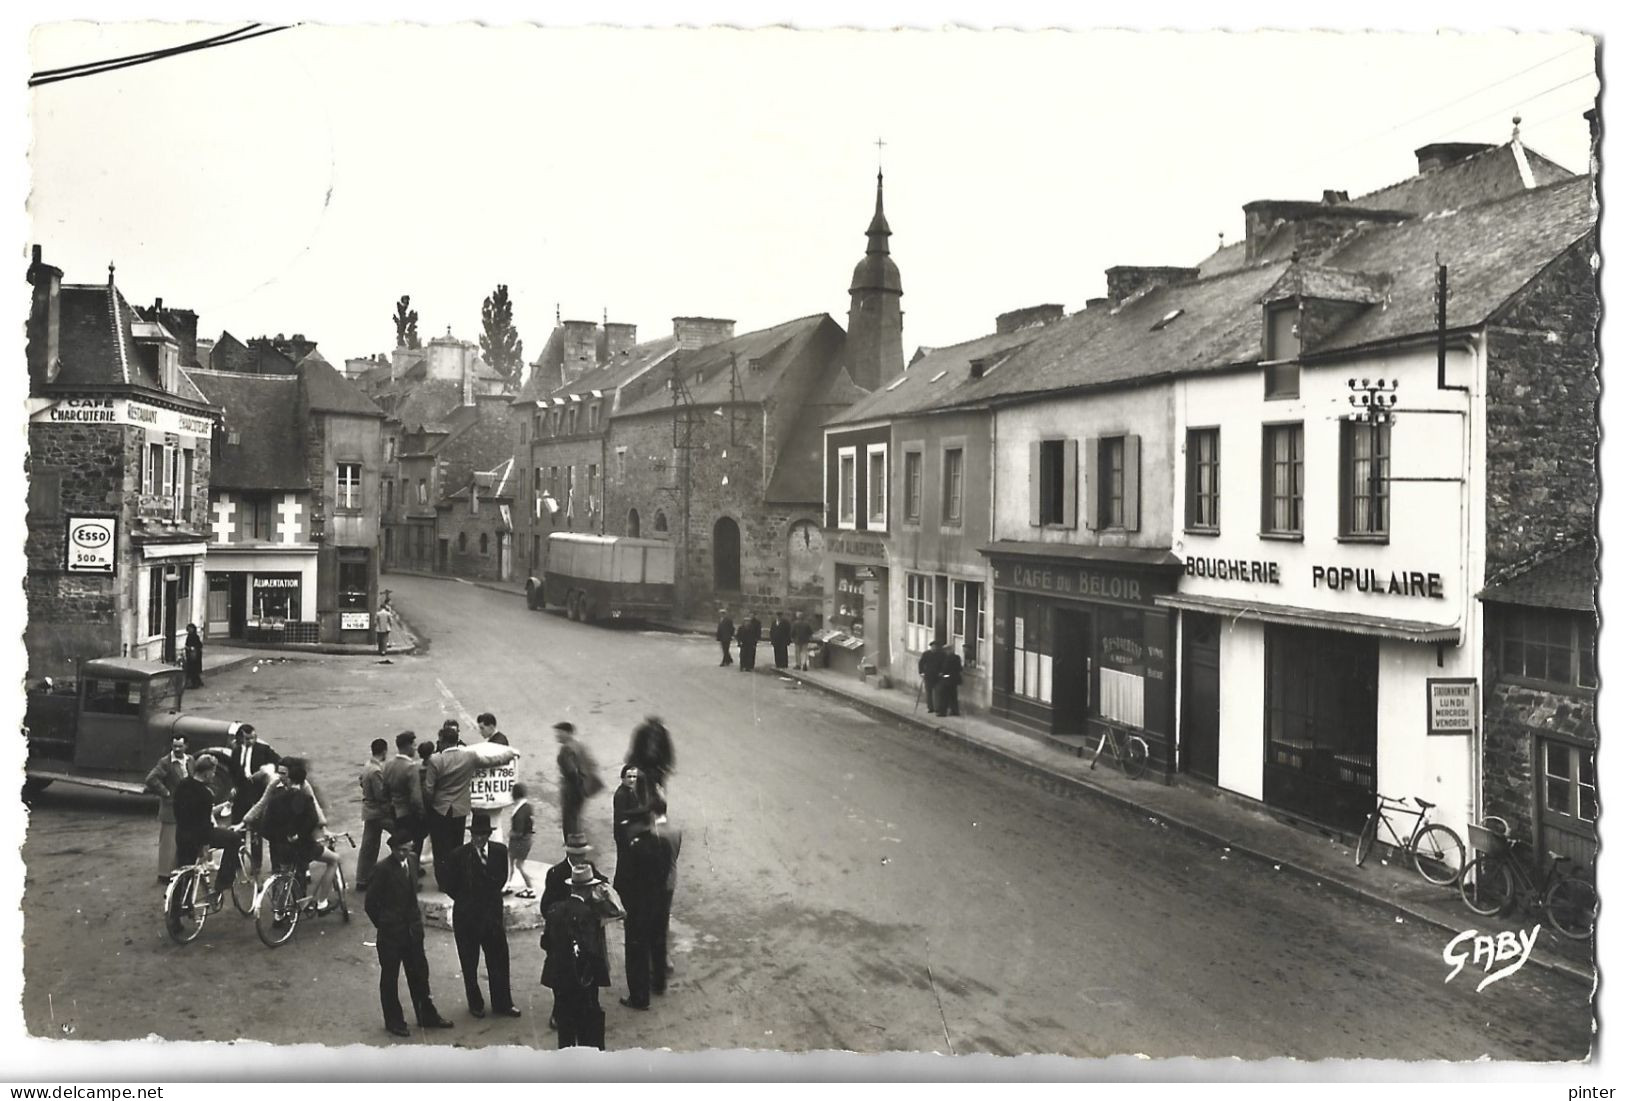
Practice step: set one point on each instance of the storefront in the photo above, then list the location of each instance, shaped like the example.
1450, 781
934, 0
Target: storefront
1078, 641
856, 614
262, 596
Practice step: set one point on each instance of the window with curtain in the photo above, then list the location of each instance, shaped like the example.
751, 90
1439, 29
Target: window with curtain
1283, 479
1202, 479
1365, 479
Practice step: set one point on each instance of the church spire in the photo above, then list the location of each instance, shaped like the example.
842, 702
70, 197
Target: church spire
874, 328
878, 230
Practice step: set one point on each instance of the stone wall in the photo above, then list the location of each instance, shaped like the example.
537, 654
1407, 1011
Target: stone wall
1541, 414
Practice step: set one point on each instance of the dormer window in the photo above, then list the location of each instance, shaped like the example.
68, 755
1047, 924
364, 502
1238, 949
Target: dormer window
1282, 345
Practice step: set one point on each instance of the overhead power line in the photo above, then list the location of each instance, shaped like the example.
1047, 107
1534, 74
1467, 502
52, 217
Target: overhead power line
107, 65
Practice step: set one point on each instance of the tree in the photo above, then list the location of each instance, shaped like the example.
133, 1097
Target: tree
406, 324
499, 342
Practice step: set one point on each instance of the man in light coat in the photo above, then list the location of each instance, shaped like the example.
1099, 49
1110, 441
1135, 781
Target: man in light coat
446, 792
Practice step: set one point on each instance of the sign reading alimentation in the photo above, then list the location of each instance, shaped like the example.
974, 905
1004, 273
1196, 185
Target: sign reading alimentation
92, 544
1452, 705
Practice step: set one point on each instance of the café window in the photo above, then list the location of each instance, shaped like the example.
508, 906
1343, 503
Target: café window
1365, 473
1053, 478
1030, 649
846, 488
1281, 348
1202, 479
920, 612
1283, 479
913, 474
349, 485
276, 597
1555, 648
876, 486
354, 580
1122, 666
953, 487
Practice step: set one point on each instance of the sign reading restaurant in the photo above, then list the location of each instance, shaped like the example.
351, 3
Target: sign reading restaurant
125, 411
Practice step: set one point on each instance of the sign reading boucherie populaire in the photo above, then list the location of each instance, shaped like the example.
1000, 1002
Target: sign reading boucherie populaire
1452, 705
92, 544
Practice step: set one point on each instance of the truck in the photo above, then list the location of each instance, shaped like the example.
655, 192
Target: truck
600, 577
108, 727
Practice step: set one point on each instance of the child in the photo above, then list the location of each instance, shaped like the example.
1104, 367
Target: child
521, 828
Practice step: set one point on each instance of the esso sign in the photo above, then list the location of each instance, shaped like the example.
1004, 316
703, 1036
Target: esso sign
92, 537
92, 541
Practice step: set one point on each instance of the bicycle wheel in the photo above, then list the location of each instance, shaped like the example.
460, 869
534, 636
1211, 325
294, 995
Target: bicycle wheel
278, 912
184, 915
341, 896
1486, 886
1366, 841
1437, 853
1135, 753
245, 887
1571, 905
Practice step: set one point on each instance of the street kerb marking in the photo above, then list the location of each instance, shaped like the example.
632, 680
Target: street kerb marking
454, 703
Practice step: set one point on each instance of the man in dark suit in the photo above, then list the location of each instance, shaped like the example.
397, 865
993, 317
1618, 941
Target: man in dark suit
930, 668
725, 635
474, 880
248, 757
641, 879
392, 905
750, 633
779, 636
577, 962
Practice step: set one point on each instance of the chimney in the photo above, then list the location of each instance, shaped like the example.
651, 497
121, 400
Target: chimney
1028, 317
701, 332
580, 348
619, 336
1443, 154
44, 320
1096, 303
1304, 228
1126, 280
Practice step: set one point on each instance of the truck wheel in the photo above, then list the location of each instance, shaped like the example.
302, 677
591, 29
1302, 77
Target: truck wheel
572, 605
589, 609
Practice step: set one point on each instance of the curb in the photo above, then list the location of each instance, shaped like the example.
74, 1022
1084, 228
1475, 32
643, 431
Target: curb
1072, 786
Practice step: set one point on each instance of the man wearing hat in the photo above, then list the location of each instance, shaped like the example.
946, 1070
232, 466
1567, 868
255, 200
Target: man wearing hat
641, 876
392, 906
474, 879
446, 790
577, 961
930, 668
556, 883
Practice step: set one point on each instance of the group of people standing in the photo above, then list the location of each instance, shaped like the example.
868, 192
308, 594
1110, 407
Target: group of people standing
784, 633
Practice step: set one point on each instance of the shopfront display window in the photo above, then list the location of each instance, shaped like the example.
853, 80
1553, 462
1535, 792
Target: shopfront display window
276, 597
1320, 723
848, 612
353, 580
1032, 649
1122, 666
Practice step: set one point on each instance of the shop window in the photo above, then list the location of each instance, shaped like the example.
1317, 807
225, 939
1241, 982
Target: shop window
1054, 483
846, 488
349, 486
276, 598
1202, 479
1283, 479
953, 487
354, 583
913, 490
1122, 667
876, 486
1112, 483
1365, 473
1555, 648
919, 612
1031, 650
1281, 348
967, 625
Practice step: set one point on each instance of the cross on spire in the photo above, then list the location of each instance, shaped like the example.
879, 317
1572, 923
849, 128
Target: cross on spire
880, 150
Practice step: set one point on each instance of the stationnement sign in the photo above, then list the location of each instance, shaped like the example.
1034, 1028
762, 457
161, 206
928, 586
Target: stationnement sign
1452, 705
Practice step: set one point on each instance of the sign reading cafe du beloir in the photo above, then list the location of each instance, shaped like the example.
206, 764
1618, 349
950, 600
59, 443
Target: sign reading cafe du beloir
92, 544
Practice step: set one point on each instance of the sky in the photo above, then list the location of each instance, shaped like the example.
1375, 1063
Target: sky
303, 181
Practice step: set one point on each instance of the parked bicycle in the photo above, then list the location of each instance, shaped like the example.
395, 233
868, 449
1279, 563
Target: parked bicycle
245, 888
1497, 880
1433, 849
1130, 750
189, 899
282, 900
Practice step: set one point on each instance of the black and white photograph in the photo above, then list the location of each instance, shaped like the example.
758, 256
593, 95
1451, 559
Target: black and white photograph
761, 544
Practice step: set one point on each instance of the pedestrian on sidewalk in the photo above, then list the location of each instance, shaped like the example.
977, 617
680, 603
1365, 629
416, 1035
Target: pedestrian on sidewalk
779, 636
383, 624
162, 780
474, 877
949, 677
578, 777
801, 633
521, 834
725, 635
750, 635
577, 962
930, 669
194, 657
377, 811
640, 880
392, 906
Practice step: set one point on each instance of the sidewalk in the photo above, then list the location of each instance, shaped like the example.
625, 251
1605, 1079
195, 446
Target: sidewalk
1238, 827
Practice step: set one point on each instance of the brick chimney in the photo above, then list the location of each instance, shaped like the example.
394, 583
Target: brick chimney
619, 336
44, 321
1305, 227
1028, 317
701, 332
1443, 154
580, 348
1126, 280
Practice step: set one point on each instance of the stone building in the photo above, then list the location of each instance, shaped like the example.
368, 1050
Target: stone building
119, 470
477, 523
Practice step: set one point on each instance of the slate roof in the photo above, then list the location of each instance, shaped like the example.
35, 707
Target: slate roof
329, 391
1481, 178
607, 378
231, 354
264, 411
707, 370
914, 391
1565, 578
96, 347
427, 402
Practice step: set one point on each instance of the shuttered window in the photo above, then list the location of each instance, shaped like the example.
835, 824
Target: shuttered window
1053, 468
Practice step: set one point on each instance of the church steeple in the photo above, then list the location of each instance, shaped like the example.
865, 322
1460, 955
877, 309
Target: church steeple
874, 329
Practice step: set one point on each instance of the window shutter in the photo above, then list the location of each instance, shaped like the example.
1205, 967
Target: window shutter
1091, 481
1131, 483
1035, 482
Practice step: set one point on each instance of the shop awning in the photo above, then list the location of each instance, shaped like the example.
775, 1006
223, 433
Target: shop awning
1408, 630
1073, 552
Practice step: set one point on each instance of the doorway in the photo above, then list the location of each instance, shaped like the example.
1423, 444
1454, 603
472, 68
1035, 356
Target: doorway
1199, 713
725, 555
1070, 698
634, 526
172, 588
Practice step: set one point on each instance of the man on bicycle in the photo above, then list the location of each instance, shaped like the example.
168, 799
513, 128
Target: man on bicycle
290, 816
195, 826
